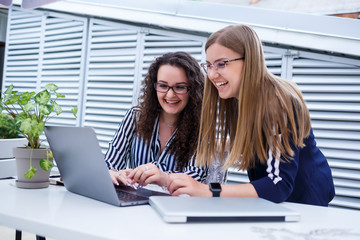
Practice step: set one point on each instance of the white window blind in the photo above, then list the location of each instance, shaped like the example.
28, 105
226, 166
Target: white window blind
43, 48
62, 62
22, 51
331, 89
274, 60
111, 63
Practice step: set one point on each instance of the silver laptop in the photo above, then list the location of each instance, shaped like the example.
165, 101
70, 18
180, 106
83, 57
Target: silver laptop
83, 169
203, 209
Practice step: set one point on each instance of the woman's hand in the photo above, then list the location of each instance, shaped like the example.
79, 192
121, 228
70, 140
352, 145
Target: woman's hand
149, 173
120, 176
181, 183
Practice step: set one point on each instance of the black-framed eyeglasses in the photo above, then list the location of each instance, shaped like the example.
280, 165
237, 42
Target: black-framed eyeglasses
178, 89
218, 66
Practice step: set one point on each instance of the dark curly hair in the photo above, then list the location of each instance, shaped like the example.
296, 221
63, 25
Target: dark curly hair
183, 146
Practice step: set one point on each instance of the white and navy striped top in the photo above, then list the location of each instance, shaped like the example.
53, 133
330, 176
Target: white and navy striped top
128, 150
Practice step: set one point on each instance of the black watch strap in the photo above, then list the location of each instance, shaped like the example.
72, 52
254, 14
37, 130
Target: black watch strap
215, 188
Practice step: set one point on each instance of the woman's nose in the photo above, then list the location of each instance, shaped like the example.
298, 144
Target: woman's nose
213, 74
170, 92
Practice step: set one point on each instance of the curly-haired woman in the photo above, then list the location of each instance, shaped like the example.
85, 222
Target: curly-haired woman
160, 134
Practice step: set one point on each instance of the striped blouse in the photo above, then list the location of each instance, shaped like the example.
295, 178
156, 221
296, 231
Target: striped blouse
128, 150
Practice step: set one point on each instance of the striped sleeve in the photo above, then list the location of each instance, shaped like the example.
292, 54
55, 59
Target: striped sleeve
279, 182
120, 145
198, 173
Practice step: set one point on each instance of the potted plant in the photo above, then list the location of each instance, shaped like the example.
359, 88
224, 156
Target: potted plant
9, 139
30, 112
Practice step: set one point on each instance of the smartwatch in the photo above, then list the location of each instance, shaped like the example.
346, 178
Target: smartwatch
215, 188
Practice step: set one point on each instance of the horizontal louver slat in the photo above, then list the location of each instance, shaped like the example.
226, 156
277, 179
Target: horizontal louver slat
273, 61
22, 53
112, 55
331, 90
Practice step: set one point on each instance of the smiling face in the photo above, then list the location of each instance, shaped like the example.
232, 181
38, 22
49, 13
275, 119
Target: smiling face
172, 103
227, 81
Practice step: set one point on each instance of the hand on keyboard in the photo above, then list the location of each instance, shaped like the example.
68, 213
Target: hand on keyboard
121, 176
148, 173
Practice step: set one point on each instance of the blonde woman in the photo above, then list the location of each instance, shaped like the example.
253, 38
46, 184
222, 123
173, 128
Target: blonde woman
267, 122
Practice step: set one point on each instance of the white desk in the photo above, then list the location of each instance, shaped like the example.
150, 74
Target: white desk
56, 213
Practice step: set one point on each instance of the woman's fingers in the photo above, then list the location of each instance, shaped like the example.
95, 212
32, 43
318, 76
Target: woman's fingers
121, 176
181, 183
113, 174
175, 182
148, 173
138, 172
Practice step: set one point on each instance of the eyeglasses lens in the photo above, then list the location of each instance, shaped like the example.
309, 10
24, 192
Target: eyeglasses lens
165, 88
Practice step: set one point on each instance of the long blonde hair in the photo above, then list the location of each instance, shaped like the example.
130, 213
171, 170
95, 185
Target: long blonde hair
269, 113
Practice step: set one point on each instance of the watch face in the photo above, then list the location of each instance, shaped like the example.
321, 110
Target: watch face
215, 186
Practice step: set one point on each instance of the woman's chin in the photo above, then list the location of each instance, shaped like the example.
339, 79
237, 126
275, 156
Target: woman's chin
224, 95
173, 110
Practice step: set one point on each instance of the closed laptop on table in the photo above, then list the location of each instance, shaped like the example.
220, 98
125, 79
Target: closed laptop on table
216, 209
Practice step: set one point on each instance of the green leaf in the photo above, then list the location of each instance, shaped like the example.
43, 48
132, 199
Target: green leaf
8, 126
9, 89
57, 108
51, 87
74, 111
12, 100
30, 173
25, 126
45, 109
26, 96
58, 95
42, 97
30, 106
22, 102
22, 116
46, 164
49, 154
32, 127
37, 128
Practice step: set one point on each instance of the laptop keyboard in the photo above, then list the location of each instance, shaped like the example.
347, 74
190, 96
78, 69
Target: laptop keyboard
125, 196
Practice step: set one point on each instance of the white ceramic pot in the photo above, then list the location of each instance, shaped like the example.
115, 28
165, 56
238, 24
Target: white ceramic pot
41, 178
